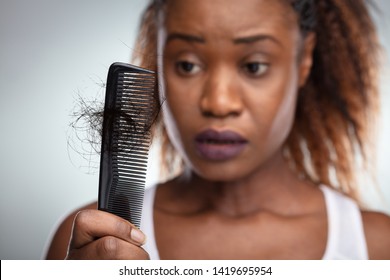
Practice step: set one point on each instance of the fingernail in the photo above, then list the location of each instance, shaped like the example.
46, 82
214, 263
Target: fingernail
138, 236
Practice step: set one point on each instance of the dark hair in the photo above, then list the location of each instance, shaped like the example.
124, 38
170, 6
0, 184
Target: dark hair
337, 106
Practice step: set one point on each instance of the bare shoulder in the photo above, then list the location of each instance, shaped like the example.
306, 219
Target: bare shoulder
58, 246
377, 231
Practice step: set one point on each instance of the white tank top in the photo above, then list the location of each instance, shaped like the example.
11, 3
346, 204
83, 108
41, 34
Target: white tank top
346, 240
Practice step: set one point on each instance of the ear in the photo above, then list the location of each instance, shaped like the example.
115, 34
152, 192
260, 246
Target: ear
306, 58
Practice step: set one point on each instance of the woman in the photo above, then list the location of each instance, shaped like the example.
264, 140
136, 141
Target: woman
266, 103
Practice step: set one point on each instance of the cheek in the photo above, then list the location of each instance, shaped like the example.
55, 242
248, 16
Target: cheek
273, 108
284, 118
181, 96
180, 101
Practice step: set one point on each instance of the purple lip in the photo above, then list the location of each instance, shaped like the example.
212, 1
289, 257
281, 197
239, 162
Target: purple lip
219, 145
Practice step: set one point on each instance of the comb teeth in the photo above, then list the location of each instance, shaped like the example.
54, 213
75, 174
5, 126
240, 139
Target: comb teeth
128, 116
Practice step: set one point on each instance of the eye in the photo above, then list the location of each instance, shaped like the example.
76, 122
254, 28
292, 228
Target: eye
255, 69
187, 68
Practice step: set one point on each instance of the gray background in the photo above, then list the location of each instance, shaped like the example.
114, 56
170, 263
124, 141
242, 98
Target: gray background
51, 52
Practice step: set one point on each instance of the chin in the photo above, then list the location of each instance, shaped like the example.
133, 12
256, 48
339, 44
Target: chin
221, 172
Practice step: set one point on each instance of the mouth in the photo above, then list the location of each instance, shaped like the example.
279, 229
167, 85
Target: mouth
219, 145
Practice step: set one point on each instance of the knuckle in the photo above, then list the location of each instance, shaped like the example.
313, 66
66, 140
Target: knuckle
123, 228
132, 252
82, 218
108, 247
112, 248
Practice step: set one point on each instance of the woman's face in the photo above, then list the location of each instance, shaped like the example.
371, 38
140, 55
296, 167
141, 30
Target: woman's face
231, 71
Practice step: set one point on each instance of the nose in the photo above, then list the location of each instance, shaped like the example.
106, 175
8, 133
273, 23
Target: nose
221, 96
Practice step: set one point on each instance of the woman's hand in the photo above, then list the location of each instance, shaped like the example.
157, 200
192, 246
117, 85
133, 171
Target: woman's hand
101, 235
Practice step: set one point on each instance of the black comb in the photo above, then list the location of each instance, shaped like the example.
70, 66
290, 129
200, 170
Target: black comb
128, 116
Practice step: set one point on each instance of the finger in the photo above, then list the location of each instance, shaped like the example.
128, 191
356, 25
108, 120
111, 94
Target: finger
90, 225
109, 248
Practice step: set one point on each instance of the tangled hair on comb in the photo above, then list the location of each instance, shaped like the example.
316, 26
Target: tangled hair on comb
338, 105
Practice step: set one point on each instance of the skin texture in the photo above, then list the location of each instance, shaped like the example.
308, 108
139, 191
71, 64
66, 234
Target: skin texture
227, 65
220, 92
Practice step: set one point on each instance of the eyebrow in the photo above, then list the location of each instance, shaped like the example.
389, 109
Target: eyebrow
256, 38
185, 37
241, 40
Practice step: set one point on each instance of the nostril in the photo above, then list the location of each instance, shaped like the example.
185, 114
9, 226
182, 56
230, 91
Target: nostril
219, 106
207, 114
214, 114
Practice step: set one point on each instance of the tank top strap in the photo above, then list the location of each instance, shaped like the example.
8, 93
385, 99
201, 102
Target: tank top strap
346, 239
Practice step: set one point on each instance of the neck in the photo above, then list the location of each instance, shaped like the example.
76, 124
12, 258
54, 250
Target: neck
273, 187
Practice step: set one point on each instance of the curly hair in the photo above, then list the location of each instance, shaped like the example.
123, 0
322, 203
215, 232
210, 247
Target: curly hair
337, 106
